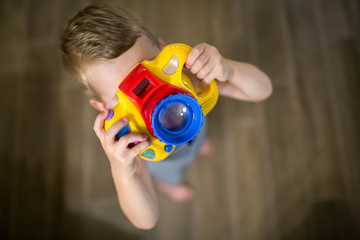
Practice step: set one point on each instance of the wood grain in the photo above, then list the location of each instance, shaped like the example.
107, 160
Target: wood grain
287, 168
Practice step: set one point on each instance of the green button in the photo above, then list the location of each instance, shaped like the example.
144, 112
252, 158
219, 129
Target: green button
149, 154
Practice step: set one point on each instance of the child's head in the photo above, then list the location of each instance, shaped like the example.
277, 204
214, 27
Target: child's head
100, 44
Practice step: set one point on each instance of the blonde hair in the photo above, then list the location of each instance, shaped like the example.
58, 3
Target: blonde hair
99, 32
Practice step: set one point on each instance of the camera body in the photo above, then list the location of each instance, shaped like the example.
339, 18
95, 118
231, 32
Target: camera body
159, 100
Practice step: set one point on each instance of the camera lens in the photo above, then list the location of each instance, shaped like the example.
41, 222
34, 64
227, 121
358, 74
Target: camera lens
175, 117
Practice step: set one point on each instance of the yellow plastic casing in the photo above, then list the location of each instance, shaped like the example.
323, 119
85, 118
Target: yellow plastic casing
167, 66
126, 108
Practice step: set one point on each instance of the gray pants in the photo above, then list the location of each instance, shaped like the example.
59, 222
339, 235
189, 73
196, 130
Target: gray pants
171, 170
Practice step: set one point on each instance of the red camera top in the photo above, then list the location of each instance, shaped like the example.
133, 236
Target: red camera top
145, 90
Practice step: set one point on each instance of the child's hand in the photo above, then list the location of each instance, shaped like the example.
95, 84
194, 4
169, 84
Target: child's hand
207, 64
117, 150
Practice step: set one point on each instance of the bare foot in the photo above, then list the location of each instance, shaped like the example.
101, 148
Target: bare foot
207, 148
178, 193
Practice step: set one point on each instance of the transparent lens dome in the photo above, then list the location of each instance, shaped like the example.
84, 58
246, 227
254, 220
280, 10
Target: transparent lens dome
175, 117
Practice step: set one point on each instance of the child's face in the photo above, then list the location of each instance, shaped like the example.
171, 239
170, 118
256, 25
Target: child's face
106, 76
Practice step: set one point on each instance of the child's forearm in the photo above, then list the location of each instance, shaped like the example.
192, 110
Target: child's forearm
137, 196
133, 182
245, 82
239, 80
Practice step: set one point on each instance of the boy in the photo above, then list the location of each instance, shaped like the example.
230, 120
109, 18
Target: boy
100, 45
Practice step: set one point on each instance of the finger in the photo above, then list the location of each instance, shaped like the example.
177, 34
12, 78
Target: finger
200, 62
205, 70
211, 76
194, 54
138, 148
114, 129
131, 138
99, 124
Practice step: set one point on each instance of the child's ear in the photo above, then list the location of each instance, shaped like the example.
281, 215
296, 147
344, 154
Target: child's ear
98, 105
161, 43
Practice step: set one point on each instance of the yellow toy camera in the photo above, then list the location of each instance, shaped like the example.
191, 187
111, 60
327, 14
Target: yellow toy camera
159, 100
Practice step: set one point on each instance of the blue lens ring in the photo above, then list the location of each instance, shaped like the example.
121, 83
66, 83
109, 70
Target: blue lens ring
187, 132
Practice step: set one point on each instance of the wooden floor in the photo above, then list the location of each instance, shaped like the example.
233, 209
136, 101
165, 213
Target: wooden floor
284, 169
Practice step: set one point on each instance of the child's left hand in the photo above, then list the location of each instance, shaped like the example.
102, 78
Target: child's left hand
207, 64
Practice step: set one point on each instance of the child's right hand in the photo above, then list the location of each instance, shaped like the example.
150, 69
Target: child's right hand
117, 150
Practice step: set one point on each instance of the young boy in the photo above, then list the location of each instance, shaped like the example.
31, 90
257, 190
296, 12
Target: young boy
100, 44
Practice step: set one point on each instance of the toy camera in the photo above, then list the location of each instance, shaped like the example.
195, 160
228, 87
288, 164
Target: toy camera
159, 100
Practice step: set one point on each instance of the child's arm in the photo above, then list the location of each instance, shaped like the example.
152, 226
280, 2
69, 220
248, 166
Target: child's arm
133, 182
235, 79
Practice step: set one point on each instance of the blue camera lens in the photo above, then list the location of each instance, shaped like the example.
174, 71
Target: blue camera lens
176, 119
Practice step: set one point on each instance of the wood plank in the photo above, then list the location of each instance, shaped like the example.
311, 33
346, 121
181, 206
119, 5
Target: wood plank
288, 136
340, 36
8, 169
315, 96
240, 190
